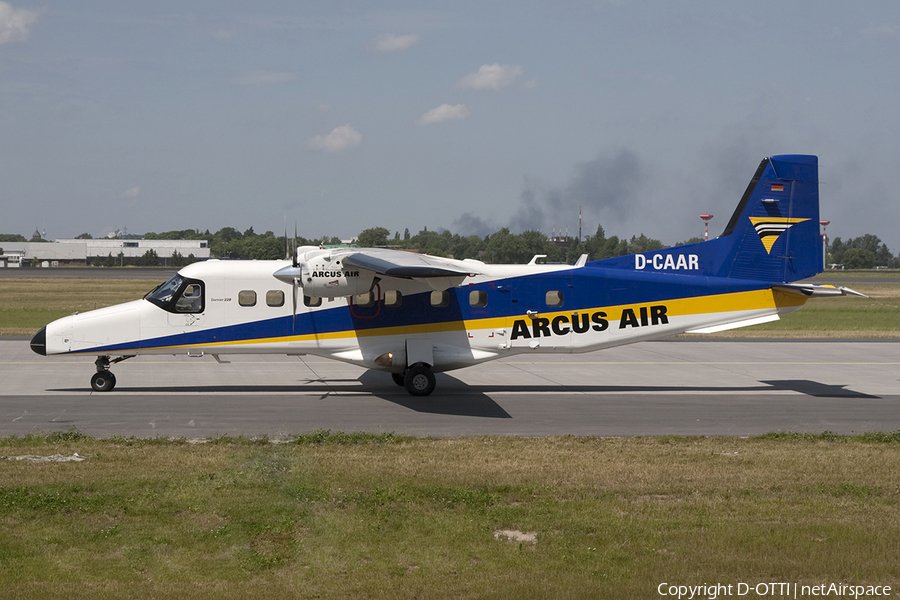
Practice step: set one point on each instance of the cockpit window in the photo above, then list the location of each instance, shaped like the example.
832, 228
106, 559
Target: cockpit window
162, 294
178, 295
190, 299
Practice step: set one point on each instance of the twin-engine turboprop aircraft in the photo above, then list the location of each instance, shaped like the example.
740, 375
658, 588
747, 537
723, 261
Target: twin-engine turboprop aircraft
414, 315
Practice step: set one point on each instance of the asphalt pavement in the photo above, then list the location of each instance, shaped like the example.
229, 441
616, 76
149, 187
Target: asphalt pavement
676, 387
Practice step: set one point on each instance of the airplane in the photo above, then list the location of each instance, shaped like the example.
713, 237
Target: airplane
415, 315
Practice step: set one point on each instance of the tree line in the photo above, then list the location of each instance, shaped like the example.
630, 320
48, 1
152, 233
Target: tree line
500, 247
503, 246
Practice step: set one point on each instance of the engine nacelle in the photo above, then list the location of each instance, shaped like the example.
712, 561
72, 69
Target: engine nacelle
328, 279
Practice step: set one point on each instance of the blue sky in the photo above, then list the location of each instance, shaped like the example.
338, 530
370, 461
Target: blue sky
467, 116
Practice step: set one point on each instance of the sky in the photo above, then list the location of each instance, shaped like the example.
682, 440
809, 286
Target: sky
467, 116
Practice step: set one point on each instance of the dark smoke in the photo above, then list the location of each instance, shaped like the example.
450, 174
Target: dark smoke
606, 188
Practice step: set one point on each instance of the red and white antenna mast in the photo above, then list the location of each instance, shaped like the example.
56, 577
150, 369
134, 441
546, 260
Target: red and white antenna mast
706, 218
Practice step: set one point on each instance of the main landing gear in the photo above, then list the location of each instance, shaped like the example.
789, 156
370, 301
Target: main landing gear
103, 380
417, 379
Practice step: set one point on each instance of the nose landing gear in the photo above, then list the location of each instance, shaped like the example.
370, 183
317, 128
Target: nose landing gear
103, 380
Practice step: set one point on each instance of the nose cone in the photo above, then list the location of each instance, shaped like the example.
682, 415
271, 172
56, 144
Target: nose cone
39, 342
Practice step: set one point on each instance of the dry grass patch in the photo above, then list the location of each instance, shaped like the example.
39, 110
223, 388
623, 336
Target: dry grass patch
383, 517
26, 305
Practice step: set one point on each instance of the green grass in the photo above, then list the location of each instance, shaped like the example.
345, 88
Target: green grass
333, 515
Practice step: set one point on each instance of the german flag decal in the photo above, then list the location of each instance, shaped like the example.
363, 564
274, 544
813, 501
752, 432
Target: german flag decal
771, 228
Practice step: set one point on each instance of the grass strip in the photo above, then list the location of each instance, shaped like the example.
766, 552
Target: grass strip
335, 515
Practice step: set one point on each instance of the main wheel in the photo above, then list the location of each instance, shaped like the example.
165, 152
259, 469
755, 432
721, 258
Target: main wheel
398, 379
419, 380
103, 381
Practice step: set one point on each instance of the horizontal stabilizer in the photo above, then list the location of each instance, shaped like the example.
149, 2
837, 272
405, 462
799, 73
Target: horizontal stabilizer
813, 290
735, 324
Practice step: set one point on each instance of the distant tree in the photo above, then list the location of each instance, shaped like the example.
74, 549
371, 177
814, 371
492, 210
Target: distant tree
84, 236
149, 259
883, 258
183, 234
864, 252
643, 244
12, 237
373, 237
693, 240
109, 261
858, 258
504, 247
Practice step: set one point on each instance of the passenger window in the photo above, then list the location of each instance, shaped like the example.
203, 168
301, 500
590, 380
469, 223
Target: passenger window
312, 301
247, 298
440, 299
191, 300
364, 300
275, 298
478, 298
554, 298
393, 298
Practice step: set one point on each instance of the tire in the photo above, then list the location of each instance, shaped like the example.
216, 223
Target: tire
103, 381
398, 379
419, 380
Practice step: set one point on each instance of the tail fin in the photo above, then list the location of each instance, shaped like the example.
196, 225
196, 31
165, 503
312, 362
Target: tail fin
773, 234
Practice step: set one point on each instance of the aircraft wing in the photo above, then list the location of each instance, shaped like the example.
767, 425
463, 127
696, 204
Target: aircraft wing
406, 265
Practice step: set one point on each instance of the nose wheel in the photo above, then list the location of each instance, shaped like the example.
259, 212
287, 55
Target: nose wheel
103, 381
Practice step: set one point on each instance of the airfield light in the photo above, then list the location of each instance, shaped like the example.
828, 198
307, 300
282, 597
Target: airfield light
706, 218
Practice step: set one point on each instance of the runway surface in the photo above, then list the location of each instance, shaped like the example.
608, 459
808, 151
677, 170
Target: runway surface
652, 388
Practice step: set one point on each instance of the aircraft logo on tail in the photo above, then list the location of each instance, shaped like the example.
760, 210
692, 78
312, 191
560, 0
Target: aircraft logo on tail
771, 228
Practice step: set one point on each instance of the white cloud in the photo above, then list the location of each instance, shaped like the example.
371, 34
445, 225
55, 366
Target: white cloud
395, 43
491, 77
262, 78
340, 138
15, 23
886, 30
131, 192
444, 112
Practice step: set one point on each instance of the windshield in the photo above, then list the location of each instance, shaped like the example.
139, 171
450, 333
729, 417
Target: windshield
163, 293
178, 295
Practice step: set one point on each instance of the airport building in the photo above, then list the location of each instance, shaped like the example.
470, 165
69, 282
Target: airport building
80, 253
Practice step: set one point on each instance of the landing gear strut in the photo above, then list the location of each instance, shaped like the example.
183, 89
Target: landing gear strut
103, 380
419, 380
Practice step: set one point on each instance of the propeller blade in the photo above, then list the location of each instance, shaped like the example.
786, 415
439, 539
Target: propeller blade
294, 246
296, 287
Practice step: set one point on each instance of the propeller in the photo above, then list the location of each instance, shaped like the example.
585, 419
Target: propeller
294, 273
296, 279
